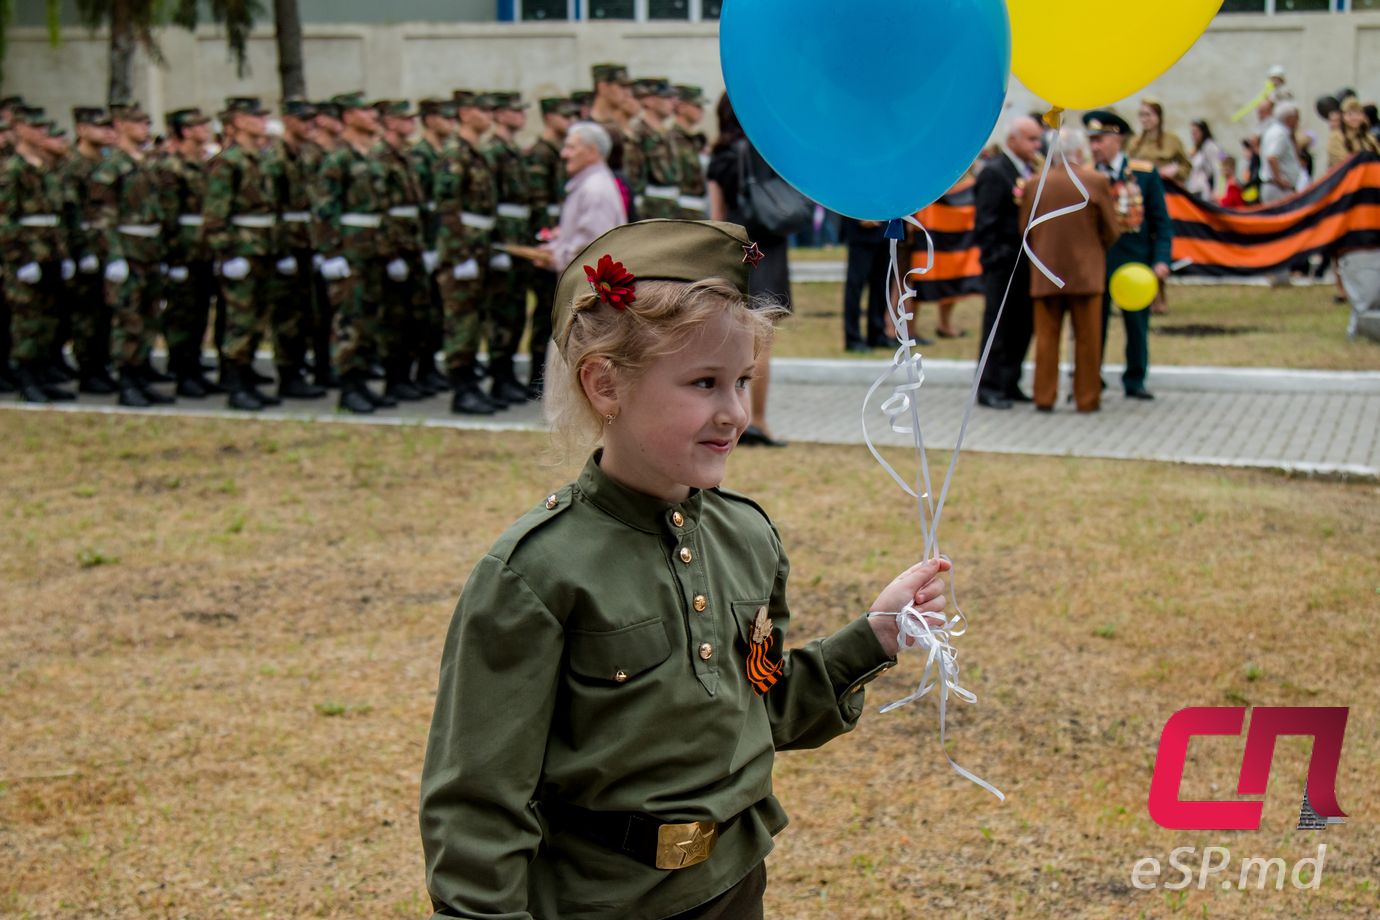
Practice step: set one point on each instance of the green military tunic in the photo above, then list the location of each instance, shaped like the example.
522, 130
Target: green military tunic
87, 242
404, 319
290, 171
597, 658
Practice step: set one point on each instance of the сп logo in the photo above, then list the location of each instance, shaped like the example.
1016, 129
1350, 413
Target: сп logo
1325, 725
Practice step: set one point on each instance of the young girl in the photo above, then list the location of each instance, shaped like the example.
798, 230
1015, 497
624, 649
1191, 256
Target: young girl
614, 685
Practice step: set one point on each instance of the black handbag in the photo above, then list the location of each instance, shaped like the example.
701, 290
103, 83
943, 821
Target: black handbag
768, 204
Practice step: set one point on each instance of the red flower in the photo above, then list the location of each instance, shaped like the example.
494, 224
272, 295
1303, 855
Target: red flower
612, 282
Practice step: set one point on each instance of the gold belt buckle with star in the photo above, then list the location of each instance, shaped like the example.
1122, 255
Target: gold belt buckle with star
679, 846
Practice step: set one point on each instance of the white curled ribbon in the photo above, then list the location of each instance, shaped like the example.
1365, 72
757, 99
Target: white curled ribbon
1058, 212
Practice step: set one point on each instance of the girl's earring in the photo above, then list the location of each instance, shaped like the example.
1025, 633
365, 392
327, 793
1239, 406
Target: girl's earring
608, 419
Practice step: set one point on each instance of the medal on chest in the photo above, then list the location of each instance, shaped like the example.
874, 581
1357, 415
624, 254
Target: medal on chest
1130, 204
762, 670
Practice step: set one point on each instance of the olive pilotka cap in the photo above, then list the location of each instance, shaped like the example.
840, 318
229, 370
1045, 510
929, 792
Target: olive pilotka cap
660, 250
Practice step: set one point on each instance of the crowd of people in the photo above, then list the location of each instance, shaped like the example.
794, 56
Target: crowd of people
361, 238
1126, 221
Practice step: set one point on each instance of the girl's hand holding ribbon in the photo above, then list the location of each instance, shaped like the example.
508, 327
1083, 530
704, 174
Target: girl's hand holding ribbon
920, 588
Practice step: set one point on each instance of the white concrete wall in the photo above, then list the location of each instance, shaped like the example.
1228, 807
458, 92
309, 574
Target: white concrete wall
1225, 69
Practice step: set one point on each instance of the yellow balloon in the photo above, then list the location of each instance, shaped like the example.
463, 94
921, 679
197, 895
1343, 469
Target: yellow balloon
1134, 286
1084, 54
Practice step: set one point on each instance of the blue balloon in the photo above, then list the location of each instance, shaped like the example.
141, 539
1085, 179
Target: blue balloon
873, 108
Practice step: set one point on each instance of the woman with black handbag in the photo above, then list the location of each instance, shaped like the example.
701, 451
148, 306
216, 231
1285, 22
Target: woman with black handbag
744, 189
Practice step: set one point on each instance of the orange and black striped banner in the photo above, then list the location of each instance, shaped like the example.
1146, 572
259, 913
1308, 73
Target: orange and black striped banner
1341, 211
957, 271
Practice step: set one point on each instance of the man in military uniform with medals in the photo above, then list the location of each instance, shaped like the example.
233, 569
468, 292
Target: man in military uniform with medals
1147, 234
547, 178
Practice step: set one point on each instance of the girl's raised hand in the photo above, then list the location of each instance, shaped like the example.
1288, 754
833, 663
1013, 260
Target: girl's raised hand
921, 585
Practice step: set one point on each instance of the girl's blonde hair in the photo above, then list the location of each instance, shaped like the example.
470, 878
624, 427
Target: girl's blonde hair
658, 323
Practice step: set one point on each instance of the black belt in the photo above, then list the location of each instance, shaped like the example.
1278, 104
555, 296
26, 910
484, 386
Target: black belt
649, 840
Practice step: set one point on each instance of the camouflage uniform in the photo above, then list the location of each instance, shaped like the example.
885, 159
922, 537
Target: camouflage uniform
241, 221
188, 298
466, 195
349, 197
406, 311
32, 231
87, 242
426, 160
505, 289
657, 183
546, 181
126, 192
294, 313
310, 156
689, 147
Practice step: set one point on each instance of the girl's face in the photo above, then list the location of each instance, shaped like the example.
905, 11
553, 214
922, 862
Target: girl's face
678, 422
1149, 121
1197, 134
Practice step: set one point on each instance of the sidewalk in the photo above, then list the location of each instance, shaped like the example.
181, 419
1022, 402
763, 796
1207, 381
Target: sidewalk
1325, 422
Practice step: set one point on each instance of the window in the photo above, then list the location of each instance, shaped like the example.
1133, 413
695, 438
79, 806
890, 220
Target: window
668, 9
612, 9
538, 10
709, 9
1243, 6
1303, 6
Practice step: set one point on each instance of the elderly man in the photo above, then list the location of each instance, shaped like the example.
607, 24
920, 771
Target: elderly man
1279, 155
998, 192
593, 203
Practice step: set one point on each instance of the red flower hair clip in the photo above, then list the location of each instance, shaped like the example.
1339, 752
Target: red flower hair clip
612, 283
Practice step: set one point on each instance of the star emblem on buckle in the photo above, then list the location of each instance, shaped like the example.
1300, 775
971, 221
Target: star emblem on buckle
696, 849
752, 254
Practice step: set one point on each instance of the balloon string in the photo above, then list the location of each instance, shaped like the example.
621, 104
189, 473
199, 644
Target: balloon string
1055, 115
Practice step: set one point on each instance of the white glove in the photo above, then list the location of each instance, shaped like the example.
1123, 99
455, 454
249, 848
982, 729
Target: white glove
287, 265
316, 260
29, 273
501, 261
178, 274
430, 260
335, 269
163, 268
236, 269
69, 269
397, 270
117, 272
89, 265
467, 270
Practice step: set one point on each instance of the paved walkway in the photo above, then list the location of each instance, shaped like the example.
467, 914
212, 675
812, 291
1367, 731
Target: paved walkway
1307, 421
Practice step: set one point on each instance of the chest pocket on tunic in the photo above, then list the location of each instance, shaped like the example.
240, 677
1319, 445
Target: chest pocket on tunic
618, 655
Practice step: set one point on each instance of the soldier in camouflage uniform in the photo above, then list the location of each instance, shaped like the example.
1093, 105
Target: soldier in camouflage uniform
7, 381
406, 310
584, 101
124, 188
657, 183
241, 230
325, 137
190, 281
349, 201
505, 288
613, 108
546, 191
33, 243
86, 243
690, 145
438, 133
466, 196
288, 163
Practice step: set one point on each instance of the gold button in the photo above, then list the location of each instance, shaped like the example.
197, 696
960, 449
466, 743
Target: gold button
678, 519
706, 651
620, 676
686, 555
551, 502
701, 602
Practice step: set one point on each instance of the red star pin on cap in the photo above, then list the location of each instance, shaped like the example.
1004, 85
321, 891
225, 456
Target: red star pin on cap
752, 254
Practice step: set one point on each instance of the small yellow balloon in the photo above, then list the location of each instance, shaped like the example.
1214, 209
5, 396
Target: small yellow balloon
1084, 54
1134, 286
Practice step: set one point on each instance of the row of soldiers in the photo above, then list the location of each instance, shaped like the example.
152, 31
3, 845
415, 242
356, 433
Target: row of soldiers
362, 241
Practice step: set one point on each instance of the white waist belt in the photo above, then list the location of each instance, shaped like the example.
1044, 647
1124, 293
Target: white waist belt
692, 203
477, 221
362, 221
668, 192
190, 220
90, 225
147, 231
553, 210
431, 205
296, 217
405, 211
515, 211
255, 221
39, 220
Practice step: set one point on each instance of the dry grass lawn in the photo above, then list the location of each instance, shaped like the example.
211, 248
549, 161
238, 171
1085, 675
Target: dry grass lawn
220, 640
1296, 327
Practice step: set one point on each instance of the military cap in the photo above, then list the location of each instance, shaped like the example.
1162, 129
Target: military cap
88, 115
186, 118
1105, 121
353, 100
582, 97
30, 115
511, 101
610, 73
556, 105
489, 101
465, 98
398, 108
653, 86
691, 94
445, 108
54, 130
299, 108
11, 102
244, 105
328, 108
661, 250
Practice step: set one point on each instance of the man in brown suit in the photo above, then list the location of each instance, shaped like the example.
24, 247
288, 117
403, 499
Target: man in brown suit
1073, 247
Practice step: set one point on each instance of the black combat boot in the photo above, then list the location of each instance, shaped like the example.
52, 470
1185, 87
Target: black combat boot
353, 396
8, 384
292, 384
399, 386
151, 374
380, 400
430, 376
30, 389
132, 389
466, 398
95, 379
239, 394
